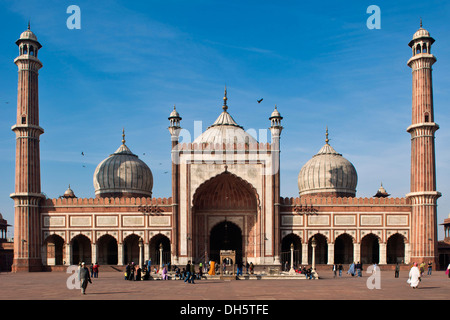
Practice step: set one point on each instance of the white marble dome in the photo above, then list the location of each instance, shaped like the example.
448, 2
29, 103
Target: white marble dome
328, 173
123, 174
225, 130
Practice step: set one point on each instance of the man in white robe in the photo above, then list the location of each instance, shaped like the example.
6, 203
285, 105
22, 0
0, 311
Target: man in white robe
414, 276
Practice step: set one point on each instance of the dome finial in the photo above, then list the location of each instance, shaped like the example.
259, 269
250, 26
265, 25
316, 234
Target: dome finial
421, 22
225, 107
326, 136
123, 136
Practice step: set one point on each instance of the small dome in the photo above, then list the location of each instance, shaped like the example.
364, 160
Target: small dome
421, 33
275, 114
28, 35
123, 174
69, 193
328, 173
381, 193
174, 113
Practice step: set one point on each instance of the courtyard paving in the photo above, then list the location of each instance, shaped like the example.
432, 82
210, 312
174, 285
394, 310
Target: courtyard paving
112, 286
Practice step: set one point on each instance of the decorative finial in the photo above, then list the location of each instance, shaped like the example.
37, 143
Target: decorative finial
225, 107
123, 136
421, 22
326, 136
28, 24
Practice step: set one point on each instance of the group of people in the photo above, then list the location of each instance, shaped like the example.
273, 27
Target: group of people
134, 272
93, 269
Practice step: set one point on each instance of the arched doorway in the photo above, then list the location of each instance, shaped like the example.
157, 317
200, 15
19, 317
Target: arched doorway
55, 250
370, 249
395, 249
131, 249
343, 249
155, 244
225, 195
107, 250
286, 250
225, 236
81, 249
321, 249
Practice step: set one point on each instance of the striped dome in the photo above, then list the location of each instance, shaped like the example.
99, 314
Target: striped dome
123, 174
328, 173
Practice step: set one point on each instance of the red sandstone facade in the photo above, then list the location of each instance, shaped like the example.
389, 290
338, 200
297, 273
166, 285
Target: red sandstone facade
229, 199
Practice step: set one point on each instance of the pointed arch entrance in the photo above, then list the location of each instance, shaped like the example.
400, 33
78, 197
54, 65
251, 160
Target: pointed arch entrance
370, 249
395, 249
225, 205
343, 249
81, 249
225, 236
107, 250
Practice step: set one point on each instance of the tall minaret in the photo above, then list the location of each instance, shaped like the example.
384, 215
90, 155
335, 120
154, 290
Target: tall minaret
174, 130
275, 130
423, 195
27, 194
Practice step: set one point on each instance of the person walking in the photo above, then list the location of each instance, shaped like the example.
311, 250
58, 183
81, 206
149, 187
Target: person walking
340, 270
351, 270
447, 272
84, 277
397, 270
95, 270
188, 272
193, 274
335, 270
430, 267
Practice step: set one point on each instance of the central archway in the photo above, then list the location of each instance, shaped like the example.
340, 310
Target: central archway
225, 204
225, 236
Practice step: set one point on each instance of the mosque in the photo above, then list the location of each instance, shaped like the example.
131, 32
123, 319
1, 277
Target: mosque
225, 195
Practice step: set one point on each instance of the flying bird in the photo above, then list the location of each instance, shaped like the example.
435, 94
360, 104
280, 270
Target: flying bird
259, 101
82, 153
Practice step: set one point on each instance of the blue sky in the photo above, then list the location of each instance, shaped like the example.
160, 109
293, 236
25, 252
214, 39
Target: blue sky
131, 62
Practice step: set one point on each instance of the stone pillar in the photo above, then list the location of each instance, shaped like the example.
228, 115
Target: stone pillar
357, 252
94, 249
305, 253
382, 259
160, 258
141, 252
331, 253
146, 252
69, 254
407, 253
120, 260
